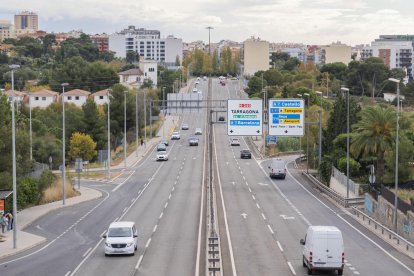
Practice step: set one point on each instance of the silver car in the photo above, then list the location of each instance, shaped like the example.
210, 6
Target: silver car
162, 156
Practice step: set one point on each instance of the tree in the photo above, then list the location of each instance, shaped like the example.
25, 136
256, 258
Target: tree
255, 85
132, 57
373, 135
147, 84
82, 146
177, 61
94, 123
336, 69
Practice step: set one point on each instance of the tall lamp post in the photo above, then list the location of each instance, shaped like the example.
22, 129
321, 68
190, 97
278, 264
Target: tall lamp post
396, 154
30, 127
320, 128
63, 143
136, 124
163, 111
300, 138
125, 95
209, 28
109, 134
346, 90
12, 67
307, 136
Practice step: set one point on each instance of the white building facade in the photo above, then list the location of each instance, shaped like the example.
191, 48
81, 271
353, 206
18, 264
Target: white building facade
147, 43
42, 98
77, 97
255, 56
101, 97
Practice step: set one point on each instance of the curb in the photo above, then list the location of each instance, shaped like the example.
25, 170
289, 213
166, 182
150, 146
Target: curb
20, 250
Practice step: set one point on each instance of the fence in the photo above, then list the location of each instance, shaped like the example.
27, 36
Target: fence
390, 197
341, 178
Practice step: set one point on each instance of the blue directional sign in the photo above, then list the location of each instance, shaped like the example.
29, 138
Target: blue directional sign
286, 117
244, 117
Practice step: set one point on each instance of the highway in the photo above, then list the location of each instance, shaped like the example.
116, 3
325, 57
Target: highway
261, 220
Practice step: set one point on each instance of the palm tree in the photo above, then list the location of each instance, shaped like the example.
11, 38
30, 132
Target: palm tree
374, 134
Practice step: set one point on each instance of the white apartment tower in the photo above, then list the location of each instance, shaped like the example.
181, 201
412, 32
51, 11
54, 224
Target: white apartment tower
147, 43
256, 56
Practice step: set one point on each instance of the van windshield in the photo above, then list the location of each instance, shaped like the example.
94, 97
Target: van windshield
119, 232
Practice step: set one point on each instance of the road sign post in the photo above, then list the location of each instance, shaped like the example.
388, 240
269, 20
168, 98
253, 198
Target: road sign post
244, 117
286, 117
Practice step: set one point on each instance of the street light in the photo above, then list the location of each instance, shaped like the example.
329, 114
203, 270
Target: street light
145, 120
163, 110
346, 90
300, 137
320, 128
136, 124
209, 45
307, 136
30, 127
63, 144
12, 67
125, 95
396, 154
109, 134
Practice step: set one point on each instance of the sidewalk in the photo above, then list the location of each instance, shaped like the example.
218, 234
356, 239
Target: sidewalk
27, 216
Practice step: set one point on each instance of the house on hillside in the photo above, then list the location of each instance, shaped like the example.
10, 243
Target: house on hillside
135, 77
42, 98
76, 96
101, 97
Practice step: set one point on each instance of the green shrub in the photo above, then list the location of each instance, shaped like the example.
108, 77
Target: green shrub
27, 192
46, 180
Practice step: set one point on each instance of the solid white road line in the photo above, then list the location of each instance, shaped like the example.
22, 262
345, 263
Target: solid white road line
263, 216
166, 204
139, 262
124, 209
102, 233
258, 206
67, 273
122, 183
253, 197
155, 228
148, 243
161, 215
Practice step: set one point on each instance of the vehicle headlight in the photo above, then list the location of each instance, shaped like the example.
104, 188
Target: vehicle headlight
107, 244
130, 244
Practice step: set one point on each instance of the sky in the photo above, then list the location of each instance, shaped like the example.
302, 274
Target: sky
300, 21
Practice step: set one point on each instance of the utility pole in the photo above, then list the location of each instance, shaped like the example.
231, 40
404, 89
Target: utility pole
63, 143
209, 44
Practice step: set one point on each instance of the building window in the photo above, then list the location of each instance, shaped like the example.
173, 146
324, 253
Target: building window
69, 98
36, 98
101, 97
77, 98
43, 98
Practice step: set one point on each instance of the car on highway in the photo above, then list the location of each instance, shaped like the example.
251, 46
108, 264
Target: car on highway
161, 147
277, 168
197, 82
185, 127
193, 141
162, 156
198, 131
223, 83
121, 238
195, 90
205, 78
245, 153
234, 142
221, 119
323, 249
165, 142
175, 135
198, 78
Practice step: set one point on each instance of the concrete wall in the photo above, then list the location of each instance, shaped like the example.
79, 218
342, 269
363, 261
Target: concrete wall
383, 212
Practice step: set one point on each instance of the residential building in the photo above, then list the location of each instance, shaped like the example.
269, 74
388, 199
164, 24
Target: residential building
135, 77
101, 41
19, 97
6, 48
255, 56
76, 96
101, 97
297, 52
6, 30
335, 52
146, 43
42, 98
26, 20
390, 97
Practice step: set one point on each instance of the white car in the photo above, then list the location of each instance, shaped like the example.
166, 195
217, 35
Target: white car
198, 131
195, 90
205, 78
175, 135
235, 142
162, 156
121, 238
185, 127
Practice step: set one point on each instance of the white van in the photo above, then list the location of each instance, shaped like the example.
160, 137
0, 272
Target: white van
323, 249
121, 238
277, 168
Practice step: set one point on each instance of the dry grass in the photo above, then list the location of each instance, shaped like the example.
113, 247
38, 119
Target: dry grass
54, 193
406, 194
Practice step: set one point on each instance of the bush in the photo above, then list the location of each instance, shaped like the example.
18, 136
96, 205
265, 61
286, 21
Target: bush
27, 192
46, 180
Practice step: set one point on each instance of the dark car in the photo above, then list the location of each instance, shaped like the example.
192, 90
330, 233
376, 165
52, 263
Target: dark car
222, 119
245, 154
161, 147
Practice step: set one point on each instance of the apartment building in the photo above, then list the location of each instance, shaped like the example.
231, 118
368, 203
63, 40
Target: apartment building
26, 20
255, 56
148, 44
100, 40
6, 30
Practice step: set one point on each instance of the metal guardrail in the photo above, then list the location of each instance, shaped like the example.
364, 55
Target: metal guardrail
346, 202
392, 236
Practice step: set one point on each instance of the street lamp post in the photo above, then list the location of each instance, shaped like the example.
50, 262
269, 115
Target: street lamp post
145, 121
12, 67
163, 111
63, 143
300, 137
307, 136
209, 44
320, 128
125, 95
30, 127
136, 124
109, 135
346, 90
396, 155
